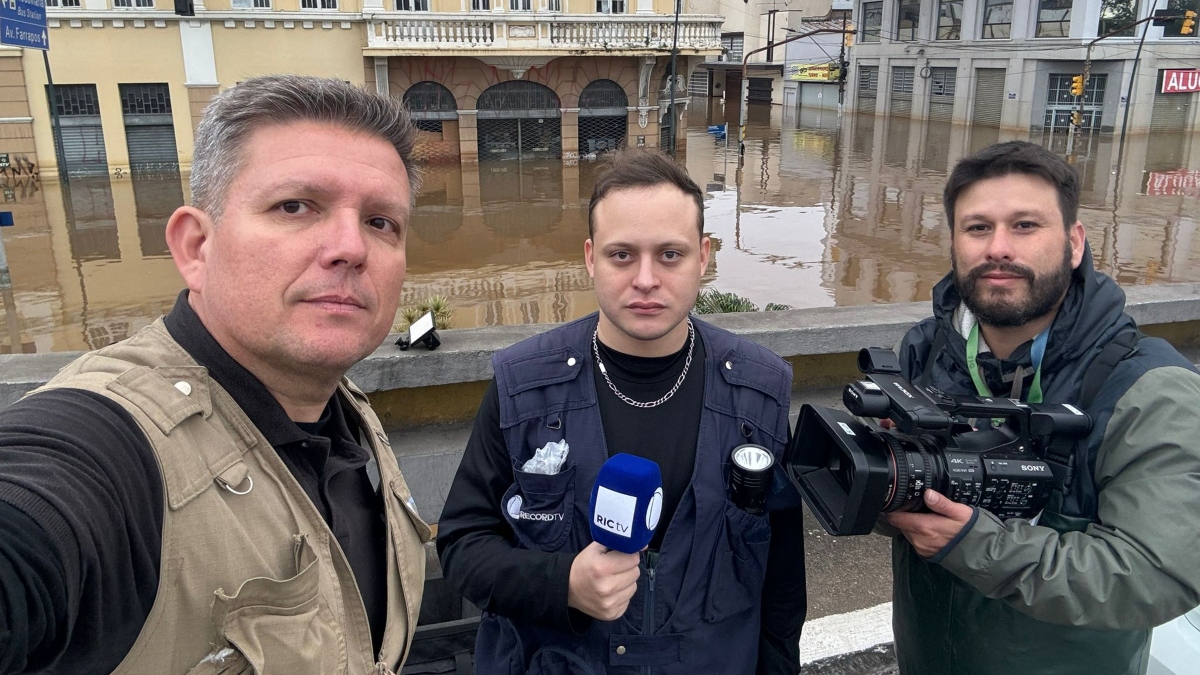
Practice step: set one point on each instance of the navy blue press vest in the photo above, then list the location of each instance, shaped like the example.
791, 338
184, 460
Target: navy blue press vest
698, 609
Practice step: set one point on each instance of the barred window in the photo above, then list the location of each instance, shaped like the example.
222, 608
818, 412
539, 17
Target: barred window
868, 80
76, 99
318, 4
941, 82
412, 5
732, 45
145, 99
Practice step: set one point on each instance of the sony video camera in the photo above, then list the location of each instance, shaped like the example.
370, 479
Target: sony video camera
849, 472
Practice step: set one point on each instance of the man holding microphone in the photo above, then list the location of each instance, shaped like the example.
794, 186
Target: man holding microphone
719, 588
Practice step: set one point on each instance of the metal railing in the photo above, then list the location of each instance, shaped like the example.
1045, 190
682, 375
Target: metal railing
554, 32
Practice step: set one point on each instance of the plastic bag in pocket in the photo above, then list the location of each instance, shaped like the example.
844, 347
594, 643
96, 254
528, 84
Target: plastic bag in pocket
540, 508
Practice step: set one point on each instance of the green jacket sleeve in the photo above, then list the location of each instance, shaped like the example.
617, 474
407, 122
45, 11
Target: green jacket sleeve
1139, 566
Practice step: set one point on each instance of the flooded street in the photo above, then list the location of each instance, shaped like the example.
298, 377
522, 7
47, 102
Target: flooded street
828, 213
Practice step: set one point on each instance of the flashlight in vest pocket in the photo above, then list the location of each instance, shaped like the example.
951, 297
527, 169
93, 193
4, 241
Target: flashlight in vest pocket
750, 477
626, 503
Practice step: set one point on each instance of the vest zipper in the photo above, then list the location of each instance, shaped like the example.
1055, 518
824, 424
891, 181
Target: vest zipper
648, 622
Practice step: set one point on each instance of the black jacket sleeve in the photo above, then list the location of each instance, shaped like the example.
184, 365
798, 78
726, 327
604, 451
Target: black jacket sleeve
477, 547
81, 509
784, 596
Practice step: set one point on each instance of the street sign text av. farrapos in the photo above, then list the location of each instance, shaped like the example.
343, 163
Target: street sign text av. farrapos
23, 24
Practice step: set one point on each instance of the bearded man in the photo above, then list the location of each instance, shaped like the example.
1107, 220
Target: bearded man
1024, 315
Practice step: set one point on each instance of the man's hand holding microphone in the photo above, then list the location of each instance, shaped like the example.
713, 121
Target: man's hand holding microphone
625, 507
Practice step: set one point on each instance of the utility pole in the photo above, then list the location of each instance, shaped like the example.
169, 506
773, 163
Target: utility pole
771, 34
746, 88
673, 86
842, 68
1137, 58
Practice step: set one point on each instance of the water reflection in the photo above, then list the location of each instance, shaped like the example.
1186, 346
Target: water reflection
830, 211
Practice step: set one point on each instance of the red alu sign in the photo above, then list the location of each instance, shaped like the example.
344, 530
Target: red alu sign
1180, 81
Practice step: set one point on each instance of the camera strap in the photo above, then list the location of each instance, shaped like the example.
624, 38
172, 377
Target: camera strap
1037, 352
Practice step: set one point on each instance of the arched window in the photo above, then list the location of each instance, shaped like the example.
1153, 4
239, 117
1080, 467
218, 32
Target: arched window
430, 103
518, 98
603, 97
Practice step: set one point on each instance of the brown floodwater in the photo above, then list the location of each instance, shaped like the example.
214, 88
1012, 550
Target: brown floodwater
823, 211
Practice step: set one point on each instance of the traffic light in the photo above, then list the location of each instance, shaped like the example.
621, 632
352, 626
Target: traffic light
1077, 85
1077, 118
1189, 22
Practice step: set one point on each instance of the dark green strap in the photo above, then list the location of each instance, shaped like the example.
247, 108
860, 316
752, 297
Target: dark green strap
939, 343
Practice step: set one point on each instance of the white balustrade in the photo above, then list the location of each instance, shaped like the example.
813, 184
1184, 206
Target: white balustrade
425, 32
428, 30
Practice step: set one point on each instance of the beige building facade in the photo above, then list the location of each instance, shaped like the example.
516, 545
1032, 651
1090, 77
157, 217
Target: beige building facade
486, 79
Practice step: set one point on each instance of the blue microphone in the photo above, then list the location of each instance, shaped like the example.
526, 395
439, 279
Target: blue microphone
626, 503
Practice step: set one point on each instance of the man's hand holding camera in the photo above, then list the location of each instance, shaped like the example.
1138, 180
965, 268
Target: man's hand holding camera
930, 532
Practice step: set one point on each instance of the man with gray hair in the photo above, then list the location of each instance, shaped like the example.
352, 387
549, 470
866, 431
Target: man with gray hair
212, 495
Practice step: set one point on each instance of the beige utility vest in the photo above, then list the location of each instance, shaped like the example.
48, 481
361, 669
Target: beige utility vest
251, 580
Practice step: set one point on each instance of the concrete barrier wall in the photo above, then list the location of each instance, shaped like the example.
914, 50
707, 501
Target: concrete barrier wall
418, 387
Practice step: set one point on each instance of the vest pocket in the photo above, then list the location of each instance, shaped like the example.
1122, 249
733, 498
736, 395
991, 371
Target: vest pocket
556, 660
739, 565
539, 508
402, 495
281, 626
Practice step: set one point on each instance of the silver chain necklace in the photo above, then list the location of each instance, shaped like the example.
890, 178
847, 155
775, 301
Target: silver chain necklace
665, 397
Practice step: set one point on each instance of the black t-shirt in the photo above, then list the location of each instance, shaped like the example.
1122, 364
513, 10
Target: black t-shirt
666, 433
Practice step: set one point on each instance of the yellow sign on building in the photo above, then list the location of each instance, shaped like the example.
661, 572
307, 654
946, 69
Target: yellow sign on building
813, 72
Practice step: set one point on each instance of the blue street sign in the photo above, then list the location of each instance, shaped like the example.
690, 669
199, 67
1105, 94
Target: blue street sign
23, 24
6, 219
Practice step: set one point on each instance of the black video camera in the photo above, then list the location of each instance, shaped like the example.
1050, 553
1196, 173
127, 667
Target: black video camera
849, 472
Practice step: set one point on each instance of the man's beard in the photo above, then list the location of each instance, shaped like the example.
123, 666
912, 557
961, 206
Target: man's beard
1045, 292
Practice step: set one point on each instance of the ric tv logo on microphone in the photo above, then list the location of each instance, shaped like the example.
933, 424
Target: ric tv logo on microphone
615, 511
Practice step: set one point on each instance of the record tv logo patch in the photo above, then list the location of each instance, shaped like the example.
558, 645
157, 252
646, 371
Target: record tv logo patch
514, 511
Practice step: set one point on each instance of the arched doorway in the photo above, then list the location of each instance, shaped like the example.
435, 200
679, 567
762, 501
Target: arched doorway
435, 112
603, 117
519, 120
